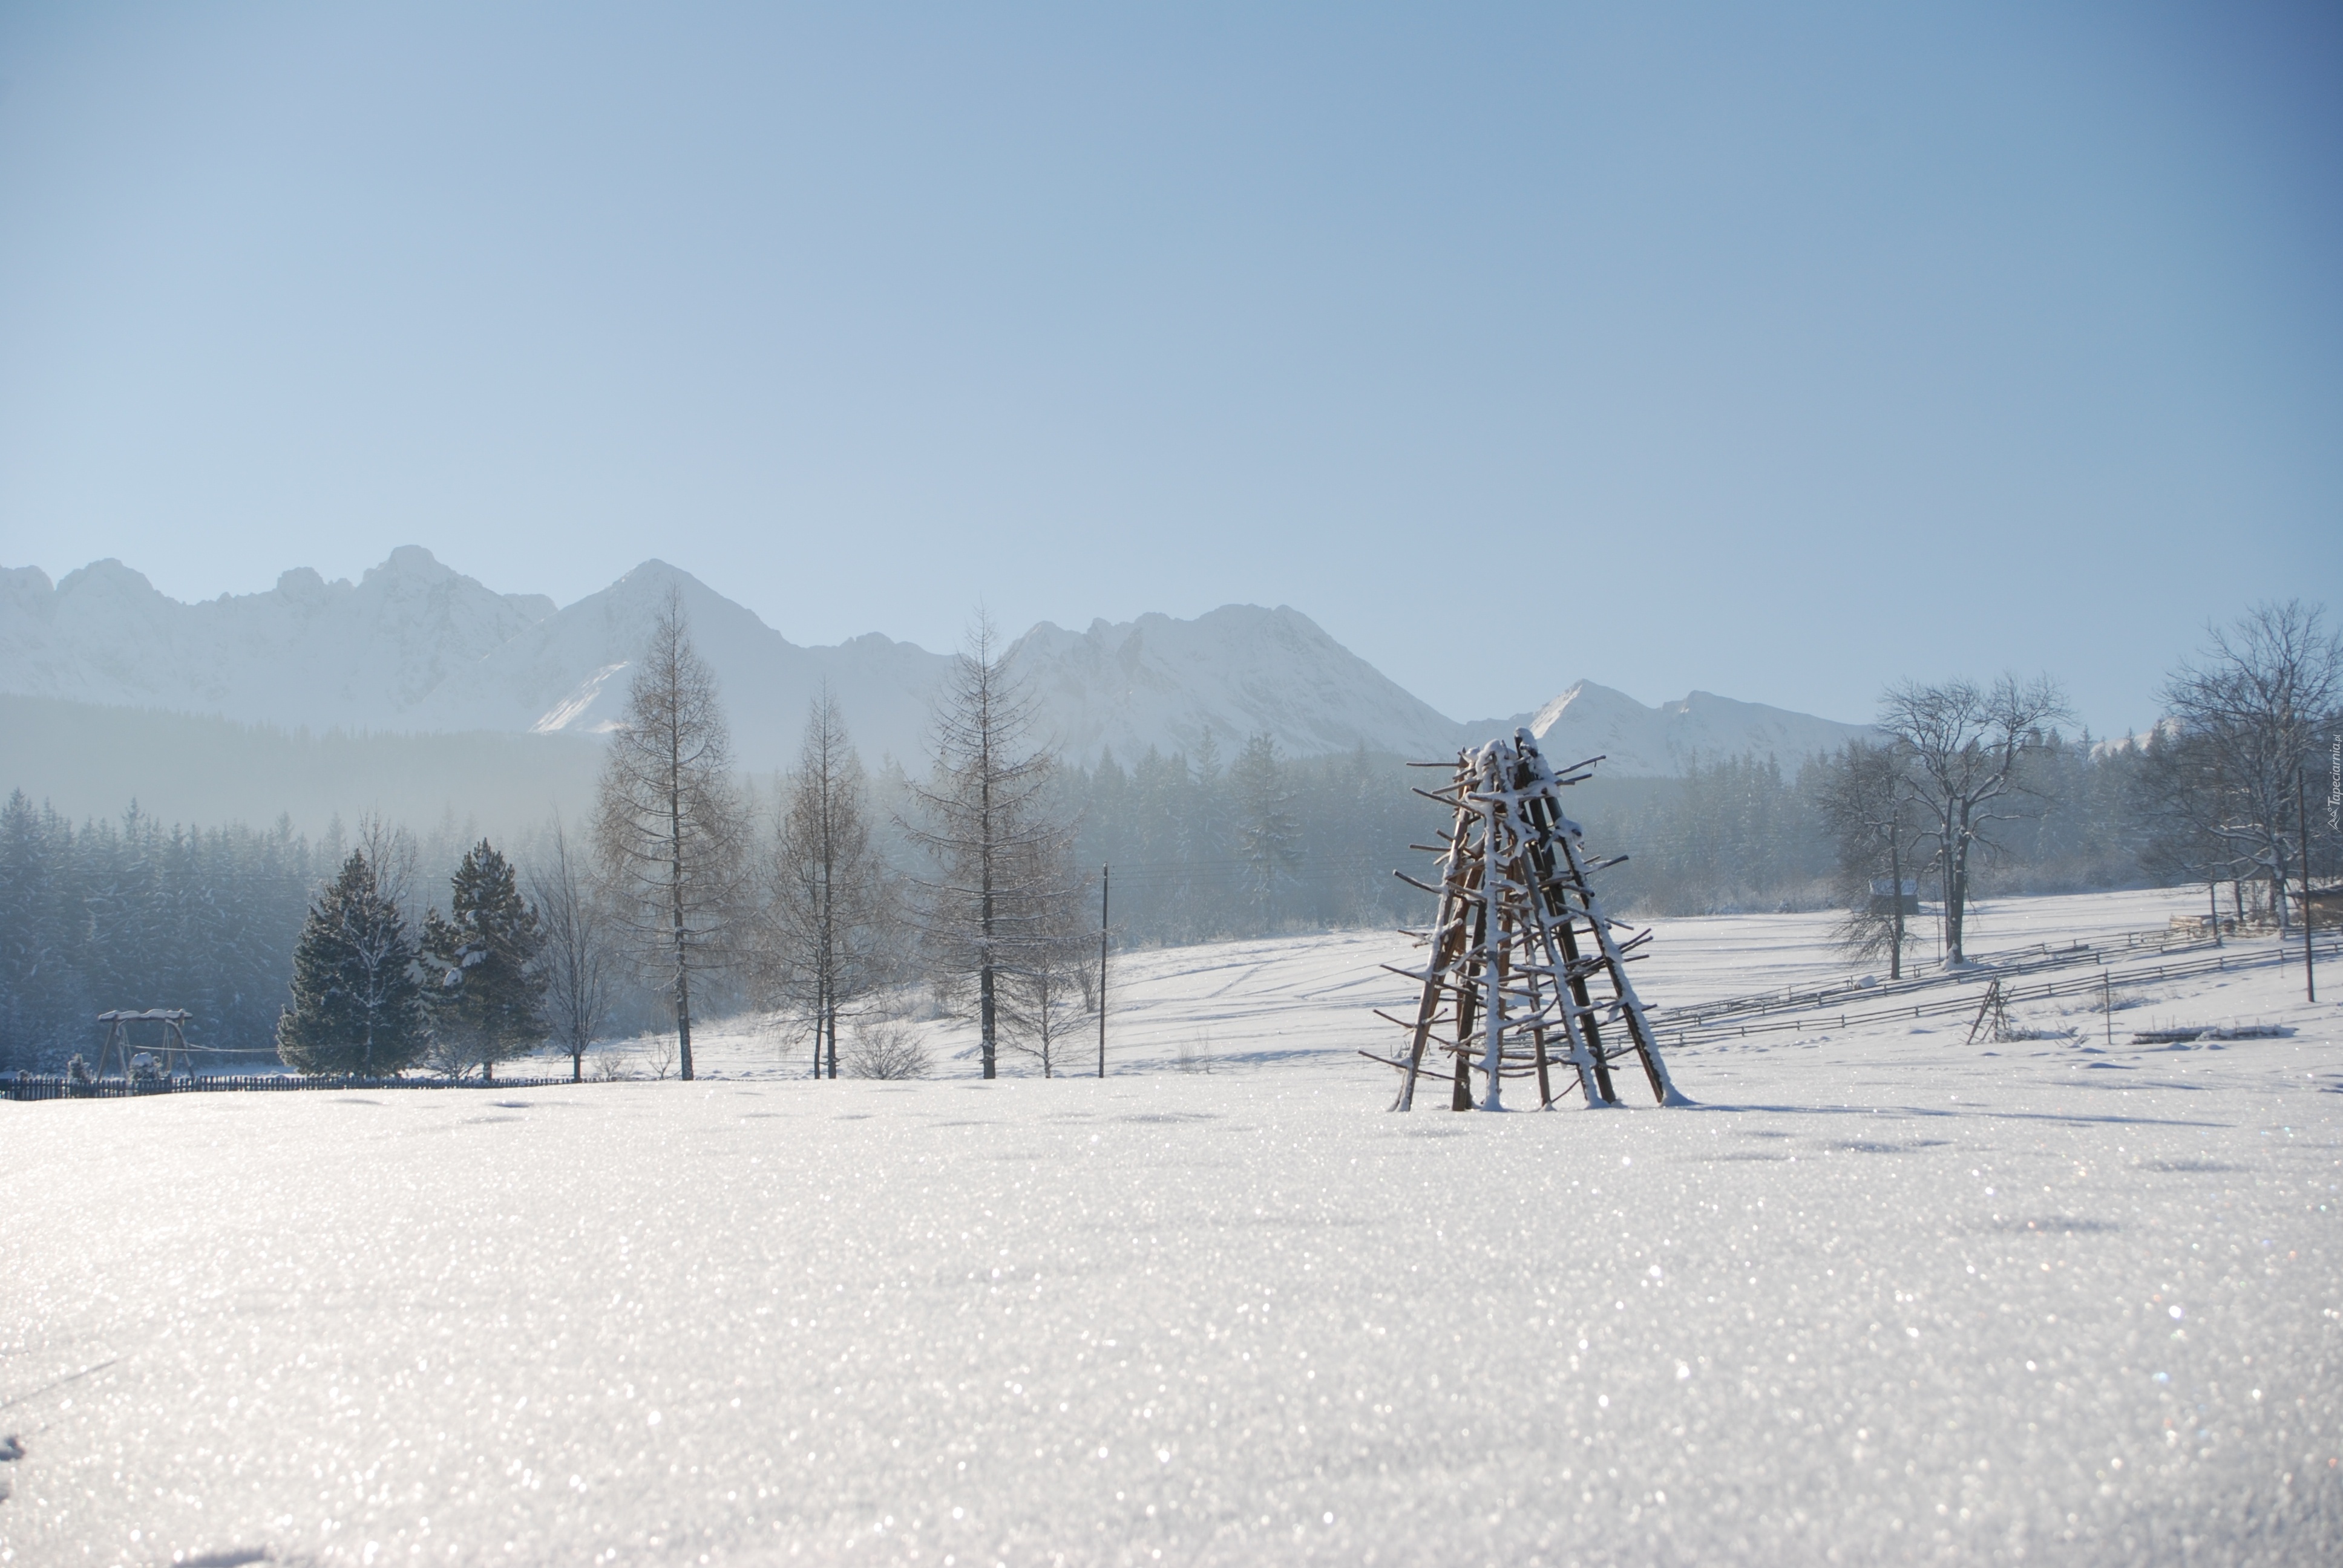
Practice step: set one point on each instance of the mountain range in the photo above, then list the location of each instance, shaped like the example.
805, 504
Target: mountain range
415, 646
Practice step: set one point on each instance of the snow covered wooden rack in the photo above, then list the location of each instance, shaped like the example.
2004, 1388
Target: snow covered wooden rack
1525, 978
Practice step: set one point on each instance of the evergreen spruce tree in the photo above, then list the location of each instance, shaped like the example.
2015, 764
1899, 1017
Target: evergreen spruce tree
487, 995
357, 1002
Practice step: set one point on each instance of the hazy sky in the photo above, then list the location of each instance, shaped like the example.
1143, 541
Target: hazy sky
1773, 351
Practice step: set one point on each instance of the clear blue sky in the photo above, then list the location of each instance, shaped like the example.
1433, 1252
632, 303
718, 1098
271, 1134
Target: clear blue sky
1773, 350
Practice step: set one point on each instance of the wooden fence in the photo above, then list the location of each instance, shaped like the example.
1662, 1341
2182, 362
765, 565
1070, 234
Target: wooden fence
31, 1086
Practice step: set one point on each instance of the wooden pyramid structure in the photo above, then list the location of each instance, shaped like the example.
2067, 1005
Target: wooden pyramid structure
1525, 979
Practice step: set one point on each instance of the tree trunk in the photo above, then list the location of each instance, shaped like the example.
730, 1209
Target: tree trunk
2277, 884
827, 1022
988, 1012
682, 948
985, 1011
1895, 892
1957, 894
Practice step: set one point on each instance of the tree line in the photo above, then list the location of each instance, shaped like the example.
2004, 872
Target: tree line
1971, 779
838, 898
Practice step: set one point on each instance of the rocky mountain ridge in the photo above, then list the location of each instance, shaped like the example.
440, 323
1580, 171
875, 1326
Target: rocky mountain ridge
415, 646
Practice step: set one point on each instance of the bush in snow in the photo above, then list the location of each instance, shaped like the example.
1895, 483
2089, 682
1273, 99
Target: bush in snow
886, 1048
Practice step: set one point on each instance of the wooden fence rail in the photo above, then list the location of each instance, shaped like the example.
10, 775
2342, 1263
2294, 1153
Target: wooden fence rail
1791, 998
1711, 1034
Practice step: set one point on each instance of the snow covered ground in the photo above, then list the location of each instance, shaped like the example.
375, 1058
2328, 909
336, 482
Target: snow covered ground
1881, 1297
1251, 1004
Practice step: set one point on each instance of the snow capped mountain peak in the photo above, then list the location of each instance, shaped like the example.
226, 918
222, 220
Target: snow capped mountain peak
411, 561
564, 670
1591, 720
1584, 694
24, 591
107, 580
301, 584
2167, 729
1229, 673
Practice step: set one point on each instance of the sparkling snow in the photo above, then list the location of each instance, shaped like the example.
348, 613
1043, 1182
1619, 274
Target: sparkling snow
1881, 1298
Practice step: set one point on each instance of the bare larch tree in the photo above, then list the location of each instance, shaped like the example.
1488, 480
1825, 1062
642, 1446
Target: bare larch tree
1962, 745
824, 941
1049, 991
2250, 712
985, 818
667, 822
579, 962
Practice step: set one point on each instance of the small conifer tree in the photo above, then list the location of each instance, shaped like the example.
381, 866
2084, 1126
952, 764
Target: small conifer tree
357, 1002
487, 995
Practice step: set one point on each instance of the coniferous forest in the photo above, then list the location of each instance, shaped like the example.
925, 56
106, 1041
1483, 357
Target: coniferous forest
135, 913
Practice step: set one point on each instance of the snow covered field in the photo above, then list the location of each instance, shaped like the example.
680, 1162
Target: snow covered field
1881, 1297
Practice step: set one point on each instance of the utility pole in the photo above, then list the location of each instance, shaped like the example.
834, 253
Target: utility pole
2302, 820
1103, 890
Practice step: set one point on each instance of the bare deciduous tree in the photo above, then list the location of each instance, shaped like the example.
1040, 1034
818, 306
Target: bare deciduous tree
1962, 744
2180, 793
2250, 712
668, 823
825, 937
578, 960
1866, 804
985, 818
